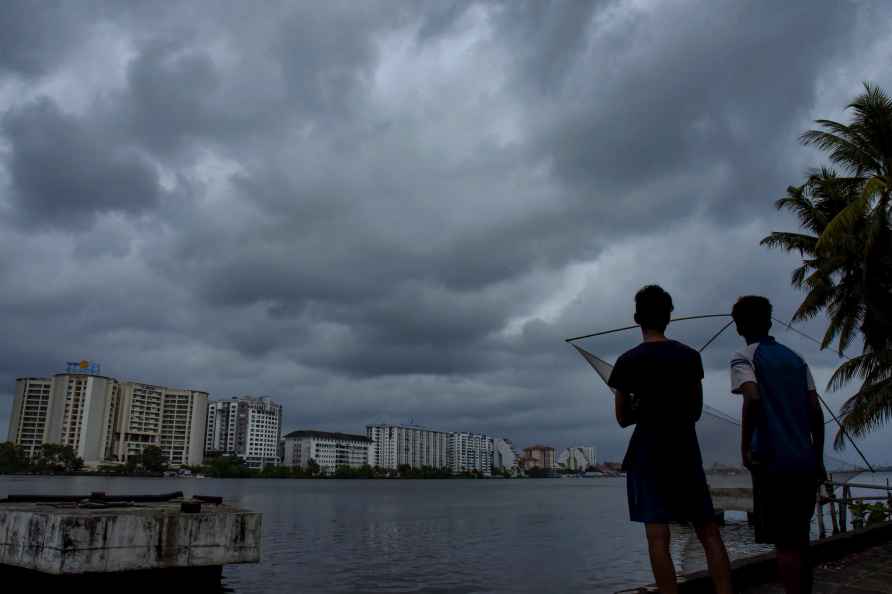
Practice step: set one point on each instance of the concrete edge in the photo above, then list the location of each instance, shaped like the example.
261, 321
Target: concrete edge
760, 569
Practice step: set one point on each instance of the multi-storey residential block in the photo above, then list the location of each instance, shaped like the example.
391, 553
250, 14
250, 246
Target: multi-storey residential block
468, 452
183, 422
504, 456
247, 427
139, 420
328, 450
577, 458
30, 413
395, 445
81, 414
538, 456
105, 420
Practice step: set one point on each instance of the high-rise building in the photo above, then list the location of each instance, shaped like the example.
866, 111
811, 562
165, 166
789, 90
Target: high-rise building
468, 452
247, 427
504, 456
139, 420
81, 414
538, 456
577, 458
183, 421
30, 412
104, 420
396, 445
328, 450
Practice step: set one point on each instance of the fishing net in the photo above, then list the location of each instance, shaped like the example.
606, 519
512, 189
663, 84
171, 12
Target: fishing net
718, 431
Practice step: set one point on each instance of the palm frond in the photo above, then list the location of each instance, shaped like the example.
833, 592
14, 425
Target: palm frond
869, 409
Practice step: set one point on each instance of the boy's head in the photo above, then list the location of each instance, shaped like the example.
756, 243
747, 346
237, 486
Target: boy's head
653, 308
752, 314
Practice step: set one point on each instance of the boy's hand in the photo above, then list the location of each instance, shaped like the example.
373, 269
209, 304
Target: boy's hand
822, 470
747, 456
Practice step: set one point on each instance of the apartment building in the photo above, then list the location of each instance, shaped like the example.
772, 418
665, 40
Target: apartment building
81, 414
470, 452
504, 456
183, 422
139, 420
105, 420
30, 412
248, 427
395, 445
577, 458
329, 450
538, 456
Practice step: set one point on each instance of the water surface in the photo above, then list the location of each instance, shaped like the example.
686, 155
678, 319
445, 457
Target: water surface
427, 536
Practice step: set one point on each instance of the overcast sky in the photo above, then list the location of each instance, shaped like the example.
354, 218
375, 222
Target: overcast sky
397, 211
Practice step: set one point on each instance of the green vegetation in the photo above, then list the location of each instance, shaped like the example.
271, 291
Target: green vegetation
425, 472
53, 458
153, 460
57, 458
12, 458
846, 251
867, 514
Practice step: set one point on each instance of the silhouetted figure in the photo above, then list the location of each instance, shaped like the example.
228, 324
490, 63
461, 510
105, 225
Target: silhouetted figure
782, 439
658, 389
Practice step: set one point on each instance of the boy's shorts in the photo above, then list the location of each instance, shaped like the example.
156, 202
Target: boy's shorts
783, 506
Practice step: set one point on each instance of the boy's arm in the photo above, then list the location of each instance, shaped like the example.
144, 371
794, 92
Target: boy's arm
698, 401
623, 405
750, 392
816, 422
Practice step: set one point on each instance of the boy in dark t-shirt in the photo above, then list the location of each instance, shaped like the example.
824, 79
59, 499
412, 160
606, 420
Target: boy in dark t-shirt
658, 389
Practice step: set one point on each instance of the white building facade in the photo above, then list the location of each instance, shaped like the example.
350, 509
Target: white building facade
139, 420
577, 458
30, 413
504, 455
470, 452
396, 445
81, 414
248, 427
329, 450
183, 422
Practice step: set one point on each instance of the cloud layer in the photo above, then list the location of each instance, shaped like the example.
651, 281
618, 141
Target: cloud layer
397, 211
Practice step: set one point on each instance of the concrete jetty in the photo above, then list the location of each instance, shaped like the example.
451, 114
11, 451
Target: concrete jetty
732, 499
104, 535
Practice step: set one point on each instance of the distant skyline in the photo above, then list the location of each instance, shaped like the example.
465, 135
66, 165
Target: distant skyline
384, 211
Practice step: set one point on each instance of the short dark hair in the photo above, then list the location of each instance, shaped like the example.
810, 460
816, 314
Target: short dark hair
653, 308
752, 313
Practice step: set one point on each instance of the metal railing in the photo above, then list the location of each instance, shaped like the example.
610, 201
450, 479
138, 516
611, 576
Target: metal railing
839, 504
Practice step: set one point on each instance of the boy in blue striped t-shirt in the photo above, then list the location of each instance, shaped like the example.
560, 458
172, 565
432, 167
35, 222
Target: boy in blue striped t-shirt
782, 439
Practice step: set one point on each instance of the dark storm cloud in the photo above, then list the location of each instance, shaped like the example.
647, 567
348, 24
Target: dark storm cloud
63, 173
399, 211
36, 35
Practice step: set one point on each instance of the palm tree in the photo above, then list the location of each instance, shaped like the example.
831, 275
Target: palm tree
847, 254
832, 279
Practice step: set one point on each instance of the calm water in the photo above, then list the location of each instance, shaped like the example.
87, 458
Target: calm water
425, 536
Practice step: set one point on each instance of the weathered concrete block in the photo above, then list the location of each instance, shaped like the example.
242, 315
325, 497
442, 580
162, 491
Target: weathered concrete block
66, 541
732, 499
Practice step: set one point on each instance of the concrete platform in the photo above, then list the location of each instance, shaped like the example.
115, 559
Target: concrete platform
732, 499
63, 539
